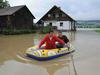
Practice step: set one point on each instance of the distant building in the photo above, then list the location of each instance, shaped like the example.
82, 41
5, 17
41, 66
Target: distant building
17, 17
58, 19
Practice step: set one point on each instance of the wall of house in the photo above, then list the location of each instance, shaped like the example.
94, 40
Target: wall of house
3, 23
66, 25
22, 19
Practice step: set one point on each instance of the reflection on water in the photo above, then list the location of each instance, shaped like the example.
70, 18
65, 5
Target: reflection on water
13, 67
51, 67
72, 36
14, 62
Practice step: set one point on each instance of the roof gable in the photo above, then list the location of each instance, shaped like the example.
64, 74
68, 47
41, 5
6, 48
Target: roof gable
55, 13
12, 10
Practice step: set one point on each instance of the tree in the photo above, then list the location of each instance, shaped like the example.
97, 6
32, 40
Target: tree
4, 4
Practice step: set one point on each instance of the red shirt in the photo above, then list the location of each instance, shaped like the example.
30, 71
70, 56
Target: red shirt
50, 43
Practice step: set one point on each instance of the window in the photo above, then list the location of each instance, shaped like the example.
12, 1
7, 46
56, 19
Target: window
61, 24
53, 15
50, 23
63, 15
60, 15
49, 15
57, 15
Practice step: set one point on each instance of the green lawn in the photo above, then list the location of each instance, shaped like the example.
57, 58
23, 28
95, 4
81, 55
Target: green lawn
97, 31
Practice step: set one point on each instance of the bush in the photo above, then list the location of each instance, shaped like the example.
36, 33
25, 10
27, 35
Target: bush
46, 29
97, 31
16, 31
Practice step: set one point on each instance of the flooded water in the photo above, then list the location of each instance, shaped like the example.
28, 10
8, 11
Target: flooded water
86, 57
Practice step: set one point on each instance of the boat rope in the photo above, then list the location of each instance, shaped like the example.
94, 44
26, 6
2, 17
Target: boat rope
69, 69
70, 35
73, 64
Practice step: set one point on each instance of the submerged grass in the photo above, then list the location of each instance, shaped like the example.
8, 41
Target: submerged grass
97, 31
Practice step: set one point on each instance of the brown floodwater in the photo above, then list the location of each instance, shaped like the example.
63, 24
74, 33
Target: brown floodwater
86, 57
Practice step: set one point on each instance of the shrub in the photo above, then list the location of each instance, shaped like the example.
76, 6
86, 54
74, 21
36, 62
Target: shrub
46, 29
17, 31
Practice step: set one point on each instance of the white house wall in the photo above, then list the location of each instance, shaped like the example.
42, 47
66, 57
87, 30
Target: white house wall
66, 24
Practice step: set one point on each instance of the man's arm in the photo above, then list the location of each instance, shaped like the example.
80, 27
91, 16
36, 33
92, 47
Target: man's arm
59, 40
42, 41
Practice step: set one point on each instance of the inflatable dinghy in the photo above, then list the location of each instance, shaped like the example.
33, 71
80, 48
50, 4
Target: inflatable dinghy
47, 54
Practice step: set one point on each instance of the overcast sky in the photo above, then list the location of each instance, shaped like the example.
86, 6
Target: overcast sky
77, 9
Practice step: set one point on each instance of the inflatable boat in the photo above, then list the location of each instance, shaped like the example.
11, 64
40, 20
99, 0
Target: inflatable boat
47, 54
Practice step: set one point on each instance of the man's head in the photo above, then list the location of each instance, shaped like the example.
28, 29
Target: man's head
59, 33
51, 33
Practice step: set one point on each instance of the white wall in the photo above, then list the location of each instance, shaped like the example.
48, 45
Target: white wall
66, 24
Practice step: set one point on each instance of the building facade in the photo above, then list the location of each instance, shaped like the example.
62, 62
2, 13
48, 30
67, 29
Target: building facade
17, 17
57, 18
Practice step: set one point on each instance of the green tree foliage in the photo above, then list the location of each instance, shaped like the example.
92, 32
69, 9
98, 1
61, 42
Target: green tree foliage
4, 4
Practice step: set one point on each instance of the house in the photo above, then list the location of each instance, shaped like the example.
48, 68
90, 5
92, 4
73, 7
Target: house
58, 19
17, 17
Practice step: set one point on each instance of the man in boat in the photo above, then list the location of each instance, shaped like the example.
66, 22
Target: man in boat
50, 41
64, 38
